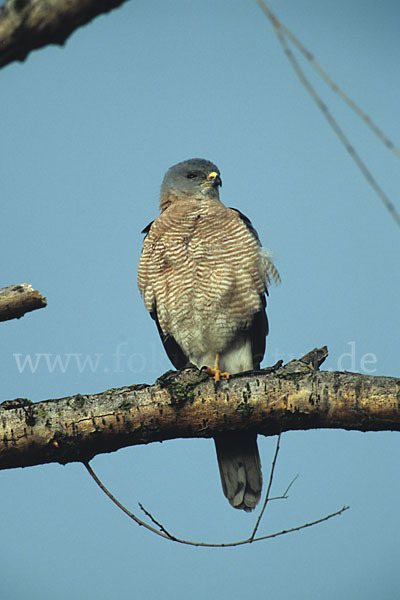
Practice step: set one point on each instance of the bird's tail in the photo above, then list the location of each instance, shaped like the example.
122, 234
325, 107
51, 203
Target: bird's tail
240, 469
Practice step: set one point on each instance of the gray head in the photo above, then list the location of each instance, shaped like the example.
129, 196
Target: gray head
194, 178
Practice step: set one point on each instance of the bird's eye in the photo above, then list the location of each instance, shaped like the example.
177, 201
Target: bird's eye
191, 175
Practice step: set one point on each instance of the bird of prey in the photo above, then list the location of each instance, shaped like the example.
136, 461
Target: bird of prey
203, 276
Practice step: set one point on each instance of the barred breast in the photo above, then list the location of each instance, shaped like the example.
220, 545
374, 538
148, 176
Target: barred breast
204, 272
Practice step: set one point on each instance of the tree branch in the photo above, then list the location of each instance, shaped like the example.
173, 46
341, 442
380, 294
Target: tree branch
188, 404
26, 25
16, 300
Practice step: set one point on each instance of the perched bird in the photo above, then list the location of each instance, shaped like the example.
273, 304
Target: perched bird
203, 276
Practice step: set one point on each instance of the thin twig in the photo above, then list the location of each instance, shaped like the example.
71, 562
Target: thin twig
271, 476
162, 528
172, 538
121, 506
329, 81
332, 122
284, 495
292, 529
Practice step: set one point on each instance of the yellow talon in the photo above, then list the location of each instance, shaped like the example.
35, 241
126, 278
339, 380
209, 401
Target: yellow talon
216, 370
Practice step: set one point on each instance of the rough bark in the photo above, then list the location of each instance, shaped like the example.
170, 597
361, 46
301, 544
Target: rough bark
189, 404
26, 25
18, 299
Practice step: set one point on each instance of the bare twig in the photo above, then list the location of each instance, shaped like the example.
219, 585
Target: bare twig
121, 506
162, 528
271, 476
285, 493
18, 299
280, 32
329, 81
162, 532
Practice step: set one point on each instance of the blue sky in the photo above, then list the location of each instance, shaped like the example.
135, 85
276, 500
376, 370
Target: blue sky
88, 131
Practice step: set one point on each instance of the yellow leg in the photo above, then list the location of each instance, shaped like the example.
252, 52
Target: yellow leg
216, 370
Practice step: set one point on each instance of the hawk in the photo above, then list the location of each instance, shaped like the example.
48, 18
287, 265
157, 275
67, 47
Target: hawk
203, 276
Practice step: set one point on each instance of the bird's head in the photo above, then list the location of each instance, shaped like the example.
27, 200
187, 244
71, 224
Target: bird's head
194, 178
